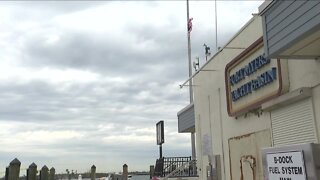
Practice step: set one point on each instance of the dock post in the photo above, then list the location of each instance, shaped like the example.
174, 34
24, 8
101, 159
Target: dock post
93, 172
6, 177
52, 173
44, 175
14, 169
125, 172
151, 171
32, 172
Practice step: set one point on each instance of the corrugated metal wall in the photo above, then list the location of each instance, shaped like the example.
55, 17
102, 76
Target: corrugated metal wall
287, 21
294, 124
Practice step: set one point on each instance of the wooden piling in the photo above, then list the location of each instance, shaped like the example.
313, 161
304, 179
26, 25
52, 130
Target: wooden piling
52, 173
44, 175
32, 172
6, 177
93, 172
151, 171
125, 172
14, 169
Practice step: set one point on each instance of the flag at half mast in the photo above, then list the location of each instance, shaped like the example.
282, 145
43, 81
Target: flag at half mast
190, 25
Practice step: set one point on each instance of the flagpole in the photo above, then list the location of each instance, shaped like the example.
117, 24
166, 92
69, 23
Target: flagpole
189, 56
216, 23
193, 142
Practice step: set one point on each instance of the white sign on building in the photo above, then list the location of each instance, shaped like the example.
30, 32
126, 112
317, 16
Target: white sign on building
252, 79
286, 166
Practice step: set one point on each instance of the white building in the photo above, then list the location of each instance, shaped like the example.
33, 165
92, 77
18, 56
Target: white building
244, 101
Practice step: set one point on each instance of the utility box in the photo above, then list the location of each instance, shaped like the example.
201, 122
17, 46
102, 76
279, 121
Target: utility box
294, 162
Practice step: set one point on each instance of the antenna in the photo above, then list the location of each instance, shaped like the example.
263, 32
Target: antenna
207, 51
196, 64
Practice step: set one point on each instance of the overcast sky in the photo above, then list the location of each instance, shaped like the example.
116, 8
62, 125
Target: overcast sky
84, 83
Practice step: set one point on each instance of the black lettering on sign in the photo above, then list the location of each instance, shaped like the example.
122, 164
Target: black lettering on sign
283, 159
284, 178
274, 170
292, 170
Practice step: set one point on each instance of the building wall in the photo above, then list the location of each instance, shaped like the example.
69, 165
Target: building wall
306, 73
246, 134
210, 102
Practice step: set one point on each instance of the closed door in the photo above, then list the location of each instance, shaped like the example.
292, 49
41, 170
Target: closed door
245, 155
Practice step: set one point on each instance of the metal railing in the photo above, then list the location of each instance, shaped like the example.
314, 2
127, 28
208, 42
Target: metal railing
175, 167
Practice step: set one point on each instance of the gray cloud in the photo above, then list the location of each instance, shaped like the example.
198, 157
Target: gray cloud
108, 55
38, 101
44, 9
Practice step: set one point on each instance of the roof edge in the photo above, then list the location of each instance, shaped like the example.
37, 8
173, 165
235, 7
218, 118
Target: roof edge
265, 6
185, 108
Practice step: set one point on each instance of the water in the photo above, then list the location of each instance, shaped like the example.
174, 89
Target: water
134, 177
140, 177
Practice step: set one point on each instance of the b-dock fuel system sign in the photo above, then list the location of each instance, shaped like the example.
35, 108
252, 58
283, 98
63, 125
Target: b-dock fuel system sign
286, 166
